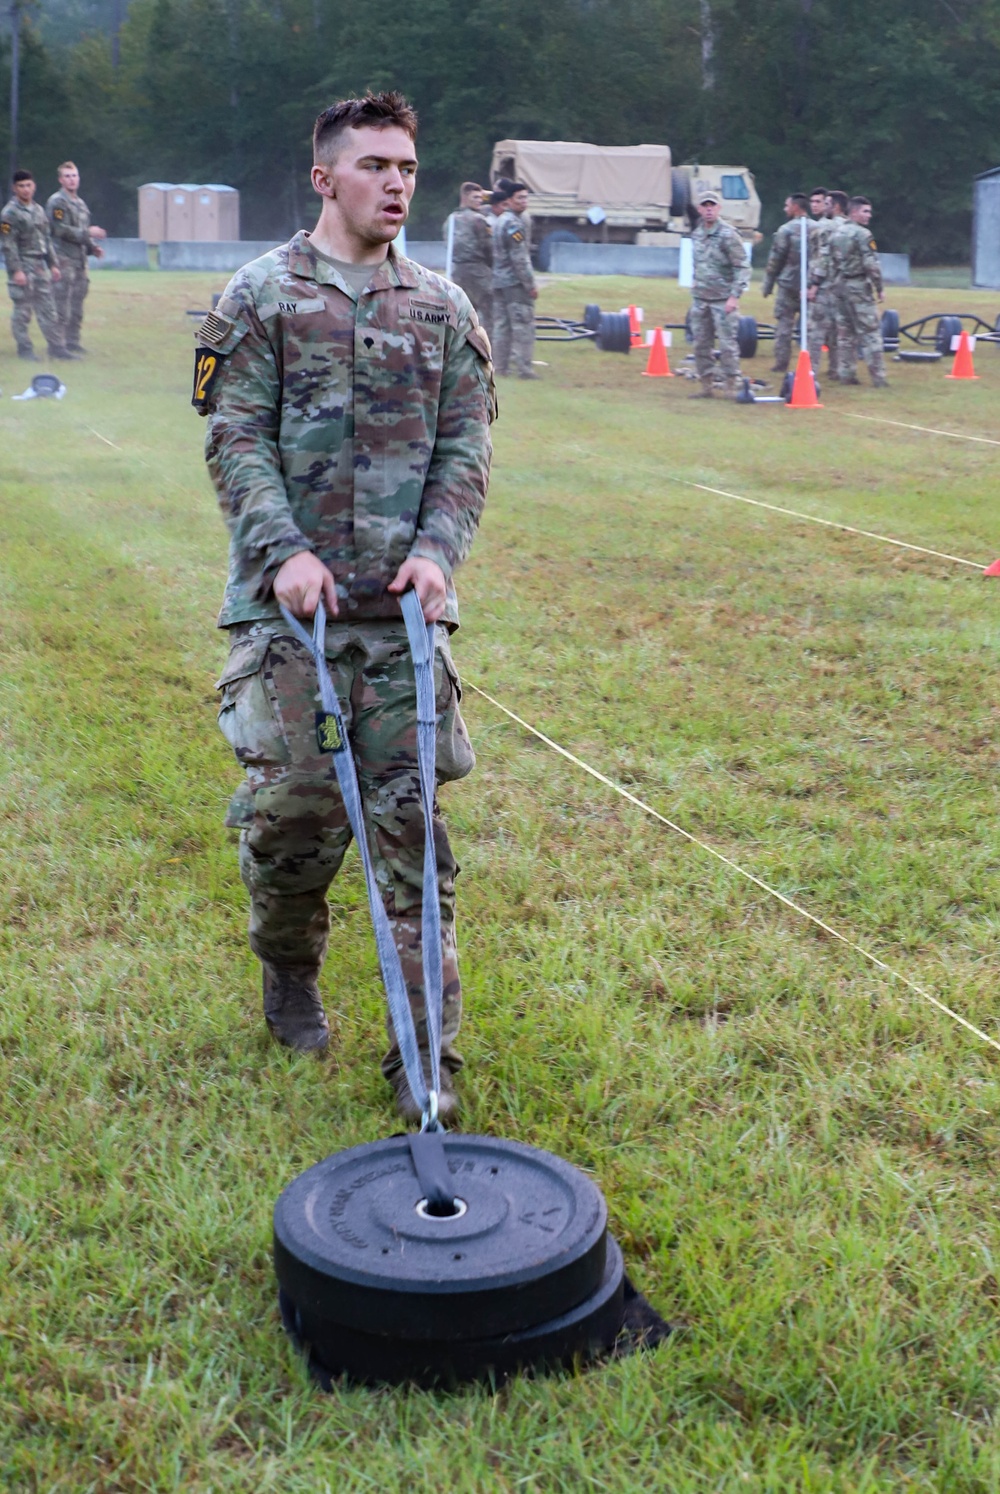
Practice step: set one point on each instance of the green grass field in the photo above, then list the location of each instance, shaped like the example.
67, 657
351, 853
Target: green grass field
799, 1154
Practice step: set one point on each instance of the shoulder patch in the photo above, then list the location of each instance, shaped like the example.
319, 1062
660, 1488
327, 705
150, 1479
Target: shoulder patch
208, 364
4, 226
214, 329
872, 244
516, 235
58, 213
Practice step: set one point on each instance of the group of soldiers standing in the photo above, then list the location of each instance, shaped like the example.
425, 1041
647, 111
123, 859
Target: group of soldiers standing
844, 280
491, 260
45, 252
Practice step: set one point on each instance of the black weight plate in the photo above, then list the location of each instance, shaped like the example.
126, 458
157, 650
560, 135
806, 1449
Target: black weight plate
746, 336
614, 332
915, 355
592, 316
947, 328
351, 1248
590, 1327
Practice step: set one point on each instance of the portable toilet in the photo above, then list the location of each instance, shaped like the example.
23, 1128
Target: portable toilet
216, 213
153, 211
180, 211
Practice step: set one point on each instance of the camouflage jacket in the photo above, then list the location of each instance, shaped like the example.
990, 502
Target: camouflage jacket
511, 254
472, 245
851, 255
818, 267
720, 262
784, 260
69, 221
24, 235
354, 426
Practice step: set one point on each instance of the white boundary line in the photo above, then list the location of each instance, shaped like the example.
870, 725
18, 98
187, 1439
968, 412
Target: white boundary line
792, 513
734, 866
928, 430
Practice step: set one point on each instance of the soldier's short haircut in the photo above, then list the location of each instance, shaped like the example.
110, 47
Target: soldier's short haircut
376, 111
22, 176
800, 200
518, 187
67, 166
467, 187
858, 202
503, 190
838, 199
820, 192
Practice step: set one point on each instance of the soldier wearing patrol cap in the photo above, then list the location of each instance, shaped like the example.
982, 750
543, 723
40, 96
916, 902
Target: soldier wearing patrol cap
32, 270
349, 395
514, 290
472, 251
721, 275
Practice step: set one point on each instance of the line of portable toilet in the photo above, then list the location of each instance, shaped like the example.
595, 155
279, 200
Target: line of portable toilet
187, 212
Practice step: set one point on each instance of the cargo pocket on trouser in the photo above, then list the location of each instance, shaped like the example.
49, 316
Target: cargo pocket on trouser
455, 757
248, 717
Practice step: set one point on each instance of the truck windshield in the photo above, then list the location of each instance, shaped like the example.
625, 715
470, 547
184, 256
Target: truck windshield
734, 188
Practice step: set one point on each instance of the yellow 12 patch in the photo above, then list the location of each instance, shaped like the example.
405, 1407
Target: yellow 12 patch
207, 367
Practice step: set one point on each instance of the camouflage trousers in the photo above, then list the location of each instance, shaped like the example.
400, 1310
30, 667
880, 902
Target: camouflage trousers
513, 329
294, 829
710, 321
70, 294
35, 297
823, 329
786, 307
478, 286
859, 330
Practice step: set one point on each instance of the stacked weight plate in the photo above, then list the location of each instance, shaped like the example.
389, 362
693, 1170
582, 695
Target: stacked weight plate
377, 1287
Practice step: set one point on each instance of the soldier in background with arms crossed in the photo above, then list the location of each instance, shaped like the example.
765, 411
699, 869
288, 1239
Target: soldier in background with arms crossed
74, 237
472, 252
822, 321
784, 269
514, 291
32, 269
721, 275
854, 272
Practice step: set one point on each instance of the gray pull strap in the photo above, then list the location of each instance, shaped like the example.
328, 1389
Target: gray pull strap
332, 737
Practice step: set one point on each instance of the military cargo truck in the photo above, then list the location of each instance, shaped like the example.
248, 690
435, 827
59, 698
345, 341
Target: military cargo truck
618, 194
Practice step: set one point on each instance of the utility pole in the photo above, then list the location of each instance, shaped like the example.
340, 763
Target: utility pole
15, 80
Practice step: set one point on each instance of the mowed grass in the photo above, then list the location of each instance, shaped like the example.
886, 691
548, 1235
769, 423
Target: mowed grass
799, 1155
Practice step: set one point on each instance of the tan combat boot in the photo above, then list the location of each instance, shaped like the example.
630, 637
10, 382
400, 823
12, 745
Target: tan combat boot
293, 1008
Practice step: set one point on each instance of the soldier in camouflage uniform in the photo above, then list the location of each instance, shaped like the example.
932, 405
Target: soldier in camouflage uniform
74, 237
514, 290
784, 269
855, 276
721, 275
472, 252
32, 270
349, 395
826, 207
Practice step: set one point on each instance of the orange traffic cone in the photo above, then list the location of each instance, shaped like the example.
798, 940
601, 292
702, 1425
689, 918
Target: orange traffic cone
804, 387
658, 366
634, 327
963, 368
993, 570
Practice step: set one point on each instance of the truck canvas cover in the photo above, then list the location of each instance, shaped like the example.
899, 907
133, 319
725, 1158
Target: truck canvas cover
608, 176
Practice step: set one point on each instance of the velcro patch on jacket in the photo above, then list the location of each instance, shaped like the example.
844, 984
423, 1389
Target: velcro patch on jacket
291, 308
208, 364
517, 236
431, 312
214, 329
4, 228
58, 213
328, 732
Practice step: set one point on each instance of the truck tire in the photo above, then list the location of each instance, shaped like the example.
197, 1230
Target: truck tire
614, 333
680, 193
543, 251
947, 328
890, 329
746, 336
592, 316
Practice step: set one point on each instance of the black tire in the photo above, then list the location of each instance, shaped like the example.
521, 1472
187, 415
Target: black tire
543, 250
680, 193
890, 329
614, 334
786, 387
746, 336
592, 316
947, 328
688, 328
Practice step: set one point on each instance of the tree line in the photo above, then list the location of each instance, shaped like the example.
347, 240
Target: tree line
893, 98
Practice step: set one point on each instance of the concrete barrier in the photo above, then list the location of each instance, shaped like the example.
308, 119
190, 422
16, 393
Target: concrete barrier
895, 268
427, 252
226, 254
121, 254
615, 259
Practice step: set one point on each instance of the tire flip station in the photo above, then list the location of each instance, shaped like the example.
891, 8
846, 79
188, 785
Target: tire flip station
436, 1257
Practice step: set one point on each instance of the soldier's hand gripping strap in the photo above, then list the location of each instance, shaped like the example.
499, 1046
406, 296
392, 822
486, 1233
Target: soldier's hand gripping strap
332, 733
